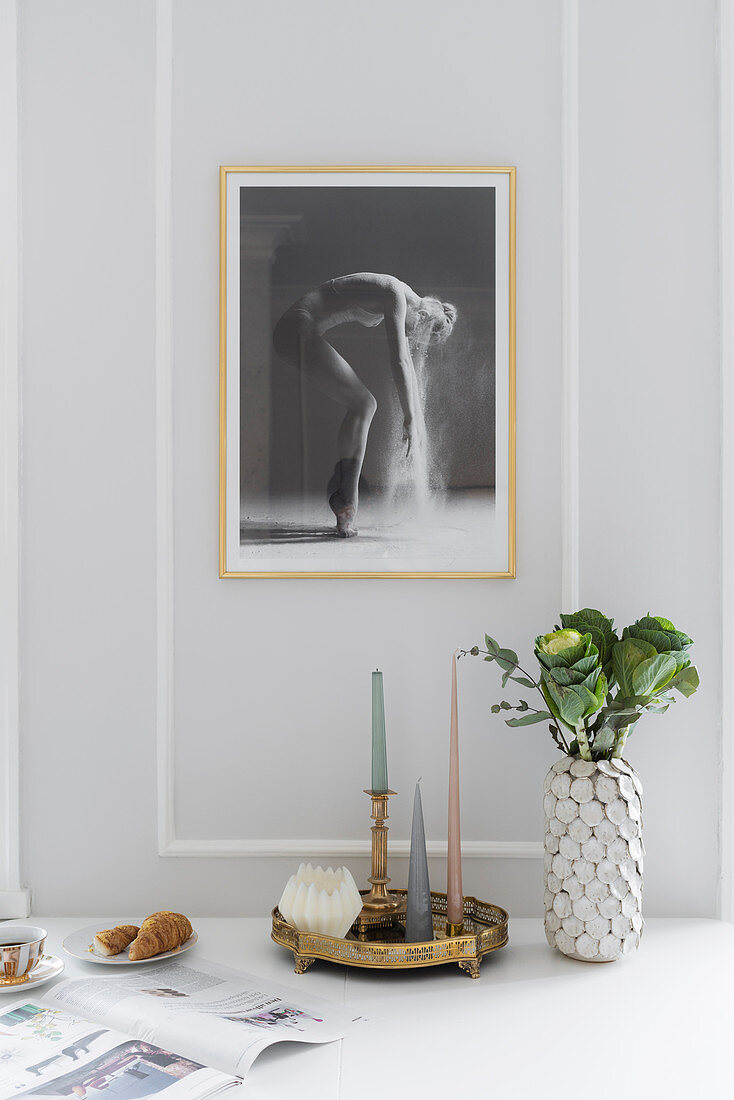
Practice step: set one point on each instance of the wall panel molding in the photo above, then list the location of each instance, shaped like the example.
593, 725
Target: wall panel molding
330, 849
726, 259
570, 380
163, 423
14, 901
169, 845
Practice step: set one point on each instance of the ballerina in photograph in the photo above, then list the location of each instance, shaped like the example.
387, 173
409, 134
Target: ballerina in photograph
367, 372
412, 324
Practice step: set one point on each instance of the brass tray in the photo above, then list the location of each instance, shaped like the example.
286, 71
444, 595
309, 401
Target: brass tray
384, 948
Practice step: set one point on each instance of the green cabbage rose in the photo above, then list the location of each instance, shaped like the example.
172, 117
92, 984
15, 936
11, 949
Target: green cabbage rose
659, 632
571, 680
559, 640
652, 657
579, 664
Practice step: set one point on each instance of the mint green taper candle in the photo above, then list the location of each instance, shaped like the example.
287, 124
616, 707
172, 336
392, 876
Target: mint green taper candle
379, 748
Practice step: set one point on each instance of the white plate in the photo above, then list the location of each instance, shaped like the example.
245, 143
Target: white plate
80, 945
47, 967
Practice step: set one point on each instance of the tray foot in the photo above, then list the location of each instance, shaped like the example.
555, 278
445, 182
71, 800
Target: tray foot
302, 962
471, 966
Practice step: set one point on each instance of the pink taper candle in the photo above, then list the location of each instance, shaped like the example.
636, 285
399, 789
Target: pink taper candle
454, 892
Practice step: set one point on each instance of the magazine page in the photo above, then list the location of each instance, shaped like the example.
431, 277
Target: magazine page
47, 1051
216, 1015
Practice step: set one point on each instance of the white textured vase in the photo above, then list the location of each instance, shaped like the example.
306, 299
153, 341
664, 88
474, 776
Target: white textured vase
593, 858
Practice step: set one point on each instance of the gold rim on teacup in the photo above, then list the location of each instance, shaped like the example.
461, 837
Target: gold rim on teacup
21, 948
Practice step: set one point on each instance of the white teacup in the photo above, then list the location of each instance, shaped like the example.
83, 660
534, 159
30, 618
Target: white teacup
21, 946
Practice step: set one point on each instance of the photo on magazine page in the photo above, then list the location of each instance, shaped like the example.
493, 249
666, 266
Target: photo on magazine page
47, 1052
213, 1014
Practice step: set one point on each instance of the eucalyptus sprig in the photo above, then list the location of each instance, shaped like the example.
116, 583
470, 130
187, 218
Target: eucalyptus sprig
580, 663
508, 661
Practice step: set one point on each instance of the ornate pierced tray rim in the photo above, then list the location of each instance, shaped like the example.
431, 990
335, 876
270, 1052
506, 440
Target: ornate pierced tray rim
467, 950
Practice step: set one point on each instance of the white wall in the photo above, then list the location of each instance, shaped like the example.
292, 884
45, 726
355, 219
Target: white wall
270, 683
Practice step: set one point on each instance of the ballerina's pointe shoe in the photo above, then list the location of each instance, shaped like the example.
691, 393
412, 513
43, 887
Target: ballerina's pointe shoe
345, 528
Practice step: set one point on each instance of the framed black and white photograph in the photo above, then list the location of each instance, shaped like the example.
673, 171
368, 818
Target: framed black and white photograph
367, 372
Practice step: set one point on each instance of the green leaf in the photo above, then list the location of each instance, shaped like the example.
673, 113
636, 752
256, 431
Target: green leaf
622, 711
663, 642
571, 707
573, 748
505, 706
686, 681
529, 719
626, 656
601, 689
507, 659
562, 676
474, 651
578, 652
664, 623
586, 664
653, 674
619, 721
522, 705
552, 705
591, 680
495, 708
587, 698
523, 680
556, 737
491, 644
603, 741
629, 703
591, 621
550, 660
682, 659
489, 657
587, 617
652, 622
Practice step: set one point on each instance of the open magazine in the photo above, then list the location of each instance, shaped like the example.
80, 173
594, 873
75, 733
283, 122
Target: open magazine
186, 1030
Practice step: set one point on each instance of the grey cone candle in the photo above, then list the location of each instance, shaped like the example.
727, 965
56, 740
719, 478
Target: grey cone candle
418, 921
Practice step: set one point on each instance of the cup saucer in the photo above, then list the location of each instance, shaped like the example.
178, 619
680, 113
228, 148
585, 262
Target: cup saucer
47, 967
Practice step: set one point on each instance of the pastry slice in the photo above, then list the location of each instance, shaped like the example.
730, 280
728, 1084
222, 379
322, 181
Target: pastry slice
114, 940
164, 931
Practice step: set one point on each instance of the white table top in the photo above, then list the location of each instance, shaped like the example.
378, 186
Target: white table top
657, 1023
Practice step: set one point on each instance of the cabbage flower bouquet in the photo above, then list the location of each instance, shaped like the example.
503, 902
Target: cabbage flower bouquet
594, 685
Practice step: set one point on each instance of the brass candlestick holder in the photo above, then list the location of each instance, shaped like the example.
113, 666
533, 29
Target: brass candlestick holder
380, 908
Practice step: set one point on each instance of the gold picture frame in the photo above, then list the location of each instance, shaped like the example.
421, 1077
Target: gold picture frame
508, 573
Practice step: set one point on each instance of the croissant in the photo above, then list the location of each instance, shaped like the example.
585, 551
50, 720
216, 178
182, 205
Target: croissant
160, 932
114, 940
